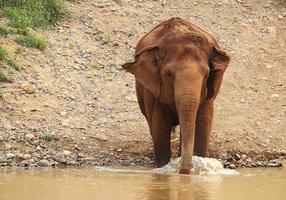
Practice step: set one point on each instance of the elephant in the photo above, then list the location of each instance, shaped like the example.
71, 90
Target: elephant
178, 71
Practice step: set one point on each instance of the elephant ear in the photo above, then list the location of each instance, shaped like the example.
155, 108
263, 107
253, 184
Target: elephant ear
218, 63
145, 69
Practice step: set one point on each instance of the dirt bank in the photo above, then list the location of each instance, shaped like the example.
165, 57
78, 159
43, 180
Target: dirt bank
84, 109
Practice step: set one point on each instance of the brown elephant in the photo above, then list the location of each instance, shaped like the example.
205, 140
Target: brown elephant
178, 69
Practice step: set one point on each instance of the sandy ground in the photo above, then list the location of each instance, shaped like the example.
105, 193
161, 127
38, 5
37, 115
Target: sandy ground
84, 109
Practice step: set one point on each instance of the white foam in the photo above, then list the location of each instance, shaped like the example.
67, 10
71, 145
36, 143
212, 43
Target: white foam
202, 166
207, 166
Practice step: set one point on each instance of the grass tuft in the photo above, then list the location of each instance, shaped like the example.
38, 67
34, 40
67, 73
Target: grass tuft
5, 77
31, 41
4, 31
33, 13
12, 64
48, 137
5, 59
3, 53
98, 66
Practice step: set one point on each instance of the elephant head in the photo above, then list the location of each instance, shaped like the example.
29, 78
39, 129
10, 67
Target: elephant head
180, 68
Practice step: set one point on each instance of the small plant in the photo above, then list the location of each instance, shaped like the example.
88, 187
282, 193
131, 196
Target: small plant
4, 31
104, 39
71, 46
31, 41
97, 66
3, 53
12, 64
48, 137
11, 114
5, 77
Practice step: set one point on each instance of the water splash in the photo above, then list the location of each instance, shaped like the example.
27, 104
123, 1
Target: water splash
202, 166
206, 166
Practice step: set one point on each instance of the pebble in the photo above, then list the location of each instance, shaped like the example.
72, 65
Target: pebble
237, 156
29, 136
275, 97
81, 155
274, 164
8, 146
243, 157
10, 155
3, 159
25, 156
29, 88
43, 163
232, 166
66, 153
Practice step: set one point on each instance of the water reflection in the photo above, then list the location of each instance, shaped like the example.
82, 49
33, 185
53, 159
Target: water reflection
181, 187
85, 184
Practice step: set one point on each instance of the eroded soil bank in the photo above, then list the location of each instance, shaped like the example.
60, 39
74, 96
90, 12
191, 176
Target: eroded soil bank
84, 109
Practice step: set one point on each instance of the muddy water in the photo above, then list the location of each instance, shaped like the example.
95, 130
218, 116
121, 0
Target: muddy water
85, 184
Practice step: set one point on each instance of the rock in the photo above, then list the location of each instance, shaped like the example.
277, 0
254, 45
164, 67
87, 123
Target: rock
3, 159
81, 155
66, 153
61, 160
275, 97
53, 163
43, 163
237, 156
38, 148
243, 157
8, 146
274, 164
25, 163
232, 166
29, 136
259, 164
25, 156
10, 155
29, 88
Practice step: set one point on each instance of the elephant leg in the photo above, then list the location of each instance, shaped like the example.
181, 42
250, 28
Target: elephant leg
203, 128
161, 128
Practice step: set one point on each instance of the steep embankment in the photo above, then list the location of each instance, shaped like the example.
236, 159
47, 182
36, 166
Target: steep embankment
84, 109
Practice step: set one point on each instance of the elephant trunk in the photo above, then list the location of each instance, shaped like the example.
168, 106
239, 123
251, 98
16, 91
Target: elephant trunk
187, 103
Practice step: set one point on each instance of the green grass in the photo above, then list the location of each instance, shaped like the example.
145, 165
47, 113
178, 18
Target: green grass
97, 66
11, 114
103, 38
12, 63
33, 13
5, 59
4, 77
31, 41
4, 31
47, 137
3, 53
